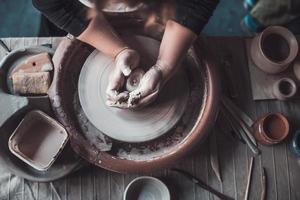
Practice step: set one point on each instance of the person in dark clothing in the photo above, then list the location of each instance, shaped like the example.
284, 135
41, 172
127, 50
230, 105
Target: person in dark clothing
180, 32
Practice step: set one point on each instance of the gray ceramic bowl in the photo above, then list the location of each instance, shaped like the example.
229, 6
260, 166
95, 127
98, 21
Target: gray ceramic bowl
146, 188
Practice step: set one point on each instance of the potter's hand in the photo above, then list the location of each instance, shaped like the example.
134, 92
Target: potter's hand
176, 41
125, 61
148, 89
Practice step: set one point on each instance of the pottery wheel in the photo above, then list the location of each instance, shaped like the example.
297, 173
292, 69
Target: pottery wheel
131, 125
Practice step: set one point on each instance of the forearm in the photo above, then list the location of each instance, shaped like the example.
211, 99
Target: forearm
68, 15
194, 14
176, 41
101, 35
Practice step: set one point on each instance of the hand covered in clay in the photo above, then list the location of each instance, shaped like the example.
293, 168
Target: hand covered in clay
148, 89
125, 62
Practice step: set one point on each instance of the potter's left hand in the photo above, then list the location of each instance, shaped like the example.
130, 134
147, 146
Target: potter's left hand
125, 61
148, 90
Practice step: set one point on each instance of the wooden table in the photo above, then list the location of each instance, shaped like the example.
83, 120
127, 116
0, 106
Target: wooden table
282, 168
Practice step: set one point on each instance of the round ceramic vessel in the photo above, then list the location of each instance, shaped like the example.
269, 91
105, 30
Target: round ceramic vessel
296, 68
134, 79
284, 88
274, 49
146, 188
271, 129
295, 143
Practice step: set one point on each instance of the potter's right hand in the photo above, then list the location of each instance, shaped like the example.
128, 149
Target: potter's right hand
125, 62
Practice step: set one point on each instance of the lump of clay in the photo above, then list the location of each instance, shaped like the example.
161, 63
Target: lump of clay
134, 79
31, 83
37, 63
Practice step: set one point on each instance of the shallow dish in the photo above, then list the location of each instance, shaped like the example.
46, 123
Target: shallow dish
38, 140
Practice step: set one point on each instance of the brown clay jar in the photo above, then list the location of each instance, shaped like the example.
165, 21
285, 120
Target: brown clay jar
271, 129
274, 49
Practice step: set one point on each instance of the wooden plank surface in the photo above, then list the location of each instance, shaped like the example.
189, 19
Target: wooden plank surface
282, 168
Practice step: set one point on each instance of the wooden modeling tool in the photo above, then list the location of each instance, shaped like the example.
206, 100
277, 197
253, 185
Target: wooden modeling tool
236, 126
4, 46
249, 178
226, 64
214, 158
263, 185
203, 185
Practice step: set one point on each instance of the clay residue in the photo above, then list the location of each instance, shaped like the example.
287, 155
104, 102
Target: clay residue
89, 131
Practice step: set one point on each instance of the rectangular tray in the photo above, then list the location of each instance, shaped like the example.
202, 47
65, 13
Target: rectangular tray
38, 140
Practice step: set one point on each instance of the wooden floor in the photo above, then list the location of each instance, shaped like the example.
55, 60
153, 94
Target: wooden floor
282, 169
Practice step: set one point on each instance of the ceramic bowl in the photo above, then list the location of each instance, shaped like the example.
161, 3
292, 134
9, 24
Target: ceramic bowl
284, 88
271, 129
296, 67
295, 143
146, 188
274, 49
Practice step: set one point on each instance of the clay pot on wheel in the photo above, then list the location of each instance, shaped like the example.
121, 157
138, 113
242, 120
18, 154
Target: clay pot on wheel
271, 129
274, 49
284, 89
197, 120
134, 79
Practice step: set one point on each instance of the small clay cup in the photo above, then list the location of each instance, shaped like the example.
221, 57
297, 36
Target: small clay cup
295, 143
271, 129
134, 79
274, 49
146, 188
284, 88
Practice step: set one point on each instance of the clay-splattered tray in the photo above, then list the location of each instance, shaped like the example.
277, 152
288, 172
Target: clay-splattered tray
13, 109
193, 127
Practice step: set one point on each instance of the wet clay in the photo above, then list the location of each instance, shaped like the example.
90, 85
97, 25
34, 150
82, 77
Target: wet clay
275, 47
134, 79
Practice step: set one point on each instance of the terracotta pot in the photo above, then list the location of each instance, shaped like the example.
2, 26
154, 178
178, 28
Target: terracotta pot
274, 49
271, 129
284, 88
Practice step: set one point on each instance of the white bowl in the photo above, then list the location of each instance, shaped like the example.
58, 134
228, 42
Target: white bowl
146, 188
